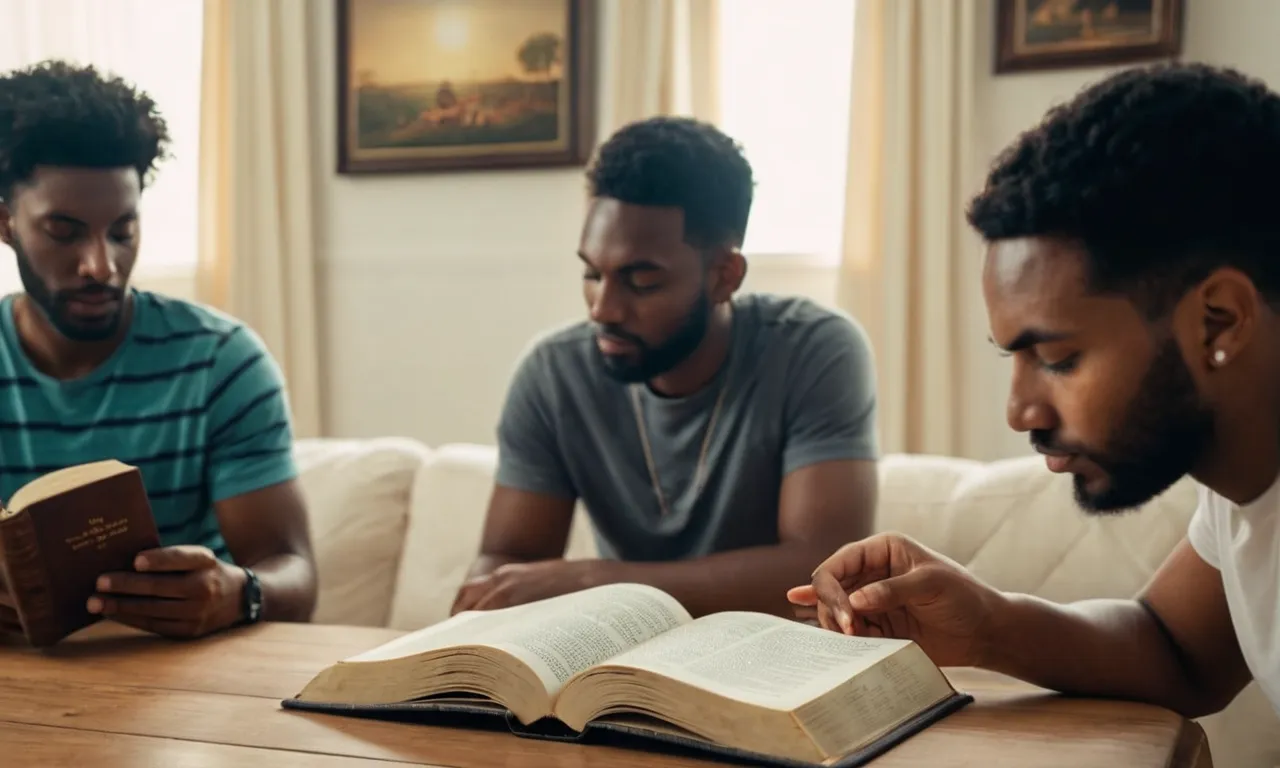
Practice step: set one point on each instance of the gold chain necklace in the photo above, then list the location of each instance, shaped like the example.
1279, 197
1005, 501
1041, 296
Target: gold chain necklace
700, 472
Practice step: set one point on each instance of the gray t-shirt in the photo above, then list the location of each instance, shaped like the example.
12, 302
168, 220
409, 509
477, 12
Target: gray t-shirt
800, 390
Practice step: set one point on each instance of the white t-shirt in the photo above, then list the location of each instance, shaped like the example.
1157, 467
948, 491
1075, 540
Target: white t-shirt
1243, 543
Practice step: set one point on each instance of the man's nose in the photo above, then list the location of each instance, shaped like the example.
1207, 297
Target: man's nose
607, 306
1027, 408
96, 263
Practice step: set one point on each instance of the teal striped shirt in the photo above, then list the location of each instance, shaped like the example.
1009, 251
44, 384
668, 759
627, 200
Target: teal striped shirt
191, 397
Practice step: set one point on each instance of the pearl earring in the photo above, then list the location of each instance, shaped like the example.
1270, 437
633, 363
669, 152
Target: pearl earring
1219, 357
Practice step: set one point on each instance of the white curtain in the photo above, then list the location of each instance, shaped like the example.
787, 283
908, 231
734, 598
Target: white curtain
257, 255
658, 58
905, 269
155, 45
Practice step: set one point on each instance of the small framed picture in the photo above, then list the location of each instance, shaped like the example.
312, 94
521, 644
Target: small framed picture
434, 85
1058, 34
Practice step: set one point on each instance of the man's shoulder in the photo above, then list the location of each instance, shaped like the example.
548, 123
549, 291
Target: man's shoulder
168, 324
560, 366
9, 346
566, 344
801, 323
163, 317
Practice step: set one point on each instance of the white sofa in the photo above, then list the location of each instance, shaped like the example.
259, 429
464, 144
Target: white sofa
396, 524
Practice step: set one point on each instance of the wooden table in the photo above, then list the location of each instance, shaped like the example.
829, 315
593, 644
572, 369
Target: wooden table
113, 697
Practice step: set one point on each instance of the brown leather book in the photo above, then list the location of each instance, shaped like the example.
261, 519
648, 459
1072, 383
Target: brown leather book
59, 533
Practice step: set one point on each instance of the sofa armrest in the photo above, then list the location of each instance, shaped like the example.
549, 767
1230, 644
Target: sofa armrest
446, 519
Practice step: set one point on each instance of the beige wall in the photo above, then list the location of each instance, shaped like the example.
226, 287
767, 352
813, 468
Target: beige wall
431, 285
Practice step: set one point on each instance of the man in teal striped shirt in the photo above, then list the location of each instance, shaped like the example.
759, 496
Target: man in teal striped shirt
91, 368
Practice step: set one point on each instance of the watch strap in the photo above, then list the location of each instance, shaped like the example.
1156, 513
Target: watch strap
251, 607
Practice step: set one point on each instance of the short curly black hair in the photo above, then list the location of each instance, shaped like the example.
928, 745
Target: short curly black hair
58, 114
1161, 173
682, 163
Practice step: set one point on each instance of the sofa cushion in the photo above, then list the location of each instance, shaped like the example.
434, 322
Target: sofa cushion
449, 501
1016, 525
357, 494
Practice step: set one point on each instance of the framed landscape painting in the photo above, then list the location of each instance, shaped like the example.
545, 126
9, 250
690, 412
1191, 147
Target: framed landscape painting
1056, 34
426, 85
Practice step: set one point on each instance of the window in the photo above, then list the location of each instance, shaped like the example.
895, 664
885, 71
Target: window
785, 75
156, 45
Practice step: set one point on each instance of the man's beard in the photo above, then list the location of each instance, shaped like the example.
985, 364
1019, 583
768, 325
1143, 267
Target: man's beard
54, 305
648, 361
1159, 439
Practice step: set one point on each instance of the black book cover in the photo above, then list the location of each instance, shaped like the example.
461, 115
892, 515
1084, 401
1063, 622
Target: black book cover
486, 715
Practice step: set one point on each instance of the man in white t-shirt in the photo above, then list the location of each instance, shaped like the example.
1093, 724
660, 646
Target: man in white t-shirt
1133, 275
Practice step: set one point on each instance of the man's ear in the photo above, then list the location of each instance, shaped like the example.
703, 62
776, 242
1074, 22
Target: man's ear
1229, 307
730, 268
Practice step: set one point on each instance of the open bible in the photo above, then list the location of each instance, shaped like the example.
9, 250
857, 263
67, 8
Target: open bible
628, 659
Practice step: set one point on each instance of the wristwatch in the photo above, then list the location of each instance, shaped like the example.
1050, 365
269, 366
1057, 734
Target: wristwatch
252, 608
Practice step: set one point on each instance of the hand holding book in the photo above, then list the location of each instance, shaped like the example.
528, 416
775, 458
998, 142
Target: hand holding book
58, 534
181, 591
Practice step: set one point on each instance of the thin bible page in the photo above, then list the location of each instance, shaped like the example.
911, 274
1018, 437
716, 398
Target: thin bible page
893, 691
763, 660
557, 637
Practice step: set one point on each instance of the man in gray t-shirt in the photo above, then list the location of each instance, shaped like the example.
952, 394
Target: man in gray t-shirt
724, 445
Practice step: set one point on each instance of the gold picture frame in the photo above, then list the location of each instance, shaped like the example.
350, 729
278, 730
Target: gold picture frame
1058, 34
448, 85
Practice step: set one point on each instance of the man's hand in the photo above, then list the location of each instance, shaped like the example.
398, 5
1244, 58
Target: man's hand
520, 583
181, 591
891, 586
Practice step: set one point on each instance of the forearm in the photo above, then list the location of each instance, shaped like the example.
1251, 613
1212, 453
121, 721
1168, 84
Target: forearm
751, 579
1104, 648
288, 587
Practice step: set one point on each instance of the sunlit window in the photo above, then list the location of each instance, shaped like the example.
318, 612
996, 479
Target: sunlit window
155, 44
785, 68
